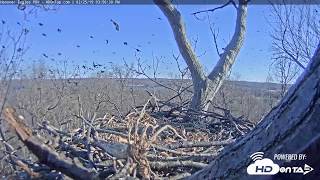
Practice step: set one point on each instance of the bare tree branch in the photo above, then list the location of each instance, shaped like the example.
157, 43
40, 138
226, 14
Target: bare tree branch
205, 87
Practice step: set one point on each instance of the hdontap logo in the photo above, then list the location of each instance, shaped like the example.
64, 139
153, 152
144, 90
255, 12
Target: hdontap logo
265, 166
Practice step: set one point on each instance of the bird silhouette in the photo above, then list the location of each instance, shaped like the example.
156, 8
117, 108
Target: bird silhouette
78, 46
159, 18
138, 50
3, 47
125, 43
19, 23
96, 65
19, 49
107, 41
40, 24
26, 31
3, 22
59, 54
44, 34
91, 37
59, 30
45, 55
116, 25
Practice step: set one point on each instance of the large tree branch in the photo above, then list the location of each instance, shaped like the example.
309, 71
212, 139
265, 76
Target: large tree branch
227, 58
45, 153
179, 31
291, 125
205, 87
233, 48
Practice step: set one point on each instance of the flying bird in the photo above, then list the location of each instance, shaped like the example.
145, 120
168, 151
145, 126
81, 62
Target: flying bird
45, 55
40, 24
91, 37
59, 54
138, 50
19, 23
59, 30
26, 31
3, 47
125, 43
78, 46
3, 22
116, 25
159, 18
19, 49
44, 34
96, 65
107, 41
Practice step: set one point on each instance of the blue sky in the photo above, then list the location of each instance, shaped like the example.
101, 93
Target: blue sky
141, 28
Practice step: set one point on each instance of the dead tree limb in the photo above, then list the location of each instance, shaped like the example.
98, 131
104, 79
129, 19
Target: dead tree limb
174, 164
188, 144
45, 153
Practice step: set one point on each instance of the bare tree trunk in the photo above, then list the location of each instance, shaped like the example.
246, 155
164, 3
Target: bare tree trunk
291, 127
205, 87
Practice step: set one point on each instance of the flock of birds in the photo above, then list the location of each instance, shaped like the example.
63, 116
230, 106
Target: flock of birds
94, 66
115, 24
59, 30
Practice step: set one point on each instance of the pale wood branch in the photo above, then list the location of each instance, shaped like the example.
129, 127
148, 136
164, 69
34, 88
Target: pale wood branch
45, 153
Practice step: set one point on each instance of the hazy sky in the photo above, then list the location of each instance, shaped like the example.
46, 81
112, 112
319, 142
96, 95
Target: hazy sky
143, 27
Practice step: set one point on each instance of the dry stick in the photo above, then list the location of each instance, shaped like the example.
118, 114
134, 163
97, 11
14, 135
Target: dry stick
25, 168
52, 130
111, 131
141, 115
164, 128
229, 116
176, 177
181, 153
175, 164
188, 144
155, 99
181, 158
219, 7
45, 153
125, 170
17, 161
